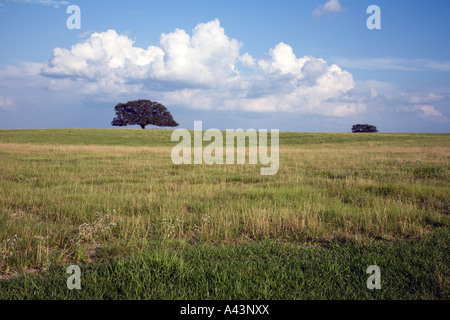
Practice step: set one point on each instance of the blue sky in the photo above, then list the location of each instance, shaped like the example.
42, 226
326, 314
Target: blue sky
286, 64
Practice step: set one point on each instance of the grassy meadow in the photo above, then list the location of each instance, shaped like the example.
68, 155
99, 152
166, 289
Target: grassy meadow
140, 227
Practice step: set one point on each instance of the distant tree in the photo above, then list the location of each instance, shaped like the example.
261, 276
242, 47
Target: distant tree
364, 128
143, 113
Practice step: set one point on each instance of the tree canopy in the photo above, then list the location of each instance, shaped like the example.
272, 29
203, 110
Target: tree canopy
143, 113
364, 128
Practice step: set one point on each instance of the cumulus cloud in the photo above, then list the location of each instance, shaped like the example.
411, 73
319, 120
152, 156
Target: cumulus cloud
330, 6
305, 85
207, 57
204, 71
429, 112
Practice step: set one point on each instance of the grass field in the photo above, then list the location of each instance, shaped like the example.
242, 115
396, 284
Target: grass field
140, 227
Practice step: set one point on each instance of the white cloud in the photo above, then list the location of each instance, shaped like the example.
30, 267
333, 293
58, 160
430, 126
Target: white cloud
307, 85
25, 75
283, 82
201, 71
247, 60
423, 98
330, 6
435, 65
395, 64
429, 112
283, 60
207, 57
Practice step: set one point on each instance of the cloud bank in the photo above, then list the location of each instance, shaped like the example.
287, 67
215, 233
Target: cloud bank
395, 64
206, 70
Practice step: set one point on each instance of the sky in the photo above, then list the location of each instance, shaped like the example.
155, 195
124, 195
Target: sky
306, 66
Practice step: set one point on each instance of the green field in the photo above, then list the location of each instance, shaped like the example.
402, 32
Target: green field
112, 202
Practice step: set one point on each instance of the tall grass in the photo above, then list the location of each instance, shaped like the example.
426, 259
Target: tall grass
88, 196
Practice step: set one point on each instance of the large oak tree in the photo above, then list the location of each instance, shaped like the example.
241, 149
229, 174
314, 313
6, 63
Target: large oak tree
143, 113
364, 128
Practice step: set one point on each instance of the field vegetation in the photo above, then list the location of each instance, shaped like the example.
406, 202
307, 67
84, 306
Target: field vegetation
140, 227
